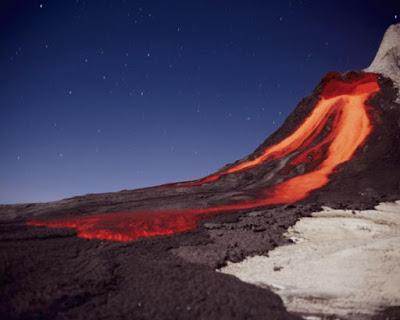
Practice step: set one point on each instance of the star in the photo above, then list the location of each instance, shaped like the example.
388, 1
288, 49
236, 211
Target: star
41, 6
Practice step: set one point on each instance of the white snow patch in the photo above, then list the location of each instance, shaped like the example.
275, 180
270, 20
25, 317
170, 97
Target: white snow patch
387, 59
344, 263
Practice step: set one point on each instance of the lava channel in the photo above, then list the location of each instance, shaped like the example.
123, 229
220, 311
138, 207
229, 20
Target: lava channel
342, 105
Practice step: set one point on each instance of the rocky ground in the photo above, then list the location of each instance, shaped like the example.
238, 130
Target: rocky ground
52, 274
341, 262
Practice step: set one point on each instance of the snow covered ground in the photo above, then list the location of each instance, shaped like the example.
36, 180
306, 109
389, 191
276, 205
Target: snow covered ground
342, 262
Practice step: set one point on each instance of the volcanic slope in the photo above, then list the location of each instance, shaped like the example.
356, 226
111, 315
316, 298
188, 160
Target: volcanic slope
151, 253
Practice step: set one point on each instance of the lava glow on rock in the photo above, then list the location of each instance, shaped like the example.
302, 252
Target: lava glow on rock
329, 136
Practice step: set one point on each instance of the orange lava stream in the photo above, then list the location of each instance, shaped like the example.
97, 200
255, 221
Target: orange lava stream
335, 89
342, 102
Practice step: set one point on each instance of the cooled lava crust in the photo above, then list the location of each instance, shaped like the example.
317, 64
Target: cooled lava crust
56, 265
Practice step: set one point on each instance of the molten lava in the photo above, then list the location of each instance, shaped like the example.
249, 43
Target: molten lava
328, 137
308, 130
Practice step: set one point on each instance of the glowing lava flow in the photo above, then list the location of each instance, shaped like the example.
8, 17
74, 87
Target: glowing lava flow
342, 107
333, 91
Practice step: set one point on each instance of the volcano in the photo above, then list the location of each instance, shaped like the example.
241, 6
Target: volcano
152, 253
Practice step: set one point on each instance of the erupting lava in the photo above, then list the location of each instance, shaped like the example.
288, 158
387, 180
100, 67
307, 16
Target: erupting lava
329, 136
335, 92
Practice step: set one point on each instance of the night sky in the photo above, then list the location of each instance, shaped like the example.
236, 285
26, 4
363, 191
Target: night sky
100, 95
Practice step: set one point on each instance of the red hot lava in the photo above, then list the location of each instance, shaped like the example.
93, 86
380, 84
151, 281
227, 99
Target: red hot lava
342, 105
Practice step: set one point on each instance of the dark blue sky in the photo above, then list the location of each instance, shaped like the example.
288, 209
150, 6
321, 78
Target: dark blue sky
107, 95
